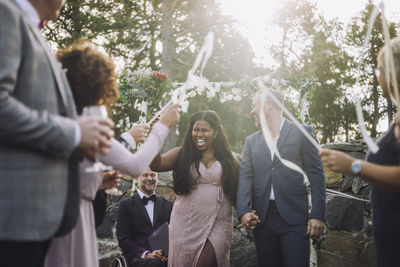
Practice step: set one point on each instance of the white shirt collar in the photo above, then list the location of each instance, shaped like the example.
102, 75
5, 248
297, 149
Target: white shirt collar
29, 11
141, 194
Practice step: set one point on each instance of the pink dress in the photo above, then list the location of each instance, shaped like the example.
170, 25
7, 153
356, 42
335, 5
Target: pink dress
79, 247
205, 213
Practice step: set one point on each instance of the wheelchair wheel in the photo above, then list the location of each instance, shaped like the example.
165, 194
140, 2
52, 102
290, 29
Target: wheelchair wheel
119, 262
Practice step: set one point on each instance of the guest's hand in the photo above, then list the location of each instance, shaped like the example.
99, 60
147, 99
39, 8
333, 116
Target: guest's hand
170, 115
139, 132
154, 254
249, 220
315, 227
336, 161
95, 135
110, 179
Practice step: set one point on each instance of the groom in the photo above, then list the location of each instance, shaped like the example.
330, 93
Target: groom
278, 198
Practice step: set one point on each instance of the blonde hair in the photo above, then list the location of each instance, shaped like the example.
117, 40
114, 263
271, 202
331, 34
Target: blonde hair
395, 46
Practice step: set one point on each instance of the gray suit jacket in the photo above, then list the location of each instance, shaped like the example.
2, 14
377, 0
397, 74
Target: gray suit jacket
257, 172
36, 135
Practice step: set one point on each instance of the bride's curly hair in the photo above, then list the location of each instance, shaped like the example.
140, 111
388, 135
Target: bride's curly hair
190, 155
91, 74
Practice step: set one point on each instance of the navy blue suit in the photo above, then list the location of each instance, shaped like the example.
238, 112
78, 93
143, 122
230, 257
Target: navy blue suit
386, 205
289, 211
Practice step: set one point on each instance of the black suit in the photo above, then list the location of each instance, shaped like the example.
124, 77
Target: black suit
134, 226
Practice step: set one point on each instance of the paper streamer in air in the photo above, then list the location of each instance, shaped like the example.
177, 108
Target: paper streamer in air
179, 94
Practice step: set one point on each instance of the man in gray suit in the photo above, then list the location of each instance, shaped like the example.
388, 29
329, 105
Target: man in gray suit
272, 198
39, 137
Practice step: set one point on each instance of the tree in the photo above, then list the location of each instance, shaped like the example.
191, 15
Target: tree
313, 59
373, 102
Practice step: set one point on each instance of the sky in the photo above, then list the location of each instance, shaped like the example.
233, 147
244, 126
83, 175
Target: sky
254, 19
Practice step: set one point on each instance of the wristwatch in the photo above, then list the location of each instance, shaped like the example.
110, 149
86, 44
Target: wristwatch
356, 167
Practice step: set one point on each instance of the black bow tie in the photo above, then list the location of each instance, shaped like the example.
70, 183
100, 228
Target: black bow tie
145, 199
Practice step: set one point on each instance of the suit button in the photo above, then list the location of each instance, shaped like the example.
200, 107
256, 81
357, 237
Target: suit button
273, 168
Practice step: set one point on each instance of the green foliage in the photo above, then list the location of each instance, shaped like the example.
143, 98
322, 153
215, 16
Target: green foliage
136, 88
375, 106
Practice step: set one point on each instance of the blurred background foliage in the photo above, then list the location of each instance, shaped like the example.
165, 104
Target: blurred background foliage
317, 58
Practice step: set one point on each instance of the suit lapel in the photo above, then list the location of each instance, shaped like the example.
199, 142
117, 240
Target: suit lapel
55, 67
263, 144
138, 203
157, 208
286, 129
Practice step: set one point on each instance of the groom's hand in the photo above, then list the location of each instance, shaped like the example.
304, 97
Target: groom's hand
249, 220
315, 227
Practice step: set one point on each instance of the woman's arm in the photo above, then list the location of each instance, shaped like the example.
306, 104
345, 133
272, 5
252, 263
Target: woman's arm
166, 161
386, 177
135, 164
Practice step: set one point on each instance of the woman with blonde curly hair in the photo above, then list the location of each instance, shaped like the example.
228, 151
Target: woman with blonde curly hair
93, 81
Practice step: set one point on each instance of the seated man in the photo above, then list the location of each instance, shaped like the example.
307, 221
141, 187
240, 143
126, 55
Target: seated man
138, 217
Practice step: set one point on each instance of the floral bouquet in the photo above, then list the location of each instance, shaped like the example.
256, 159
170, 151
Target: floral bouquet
145, 86
139, 88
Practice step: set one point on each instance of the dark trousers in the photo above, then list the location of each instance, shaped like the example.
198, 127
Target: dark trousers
136, 262
280, 244
23, 254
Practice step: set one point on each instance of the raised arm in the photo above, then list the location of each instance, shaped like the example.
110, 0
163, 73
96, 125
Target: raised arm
166, 161
135, 164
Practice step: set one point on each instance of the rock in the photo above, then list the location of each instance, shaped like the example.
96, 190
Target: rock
165, 179
108, 251
347, 184
358, 184
353, 146
107, 228
343, 249
345, 214
243, 249
333, 179
166, 192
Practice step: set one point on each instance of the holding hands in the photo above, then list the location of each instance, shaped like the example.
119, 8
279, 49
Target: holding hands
156, 254
249, 220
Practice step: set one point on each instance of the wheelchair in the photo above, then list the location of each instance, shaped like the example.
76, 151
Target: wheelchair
119, 262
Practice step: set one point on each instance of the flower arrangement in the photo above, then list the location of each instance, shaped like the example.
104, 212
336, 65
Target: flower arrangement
145, 86
137, 88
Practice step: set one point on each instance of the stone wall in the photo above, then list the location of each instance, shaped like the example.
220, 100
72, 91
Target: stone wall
347, 242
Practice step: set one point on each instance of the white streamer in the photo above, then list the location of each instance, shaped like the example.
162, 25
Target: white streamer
272, 146
368, 140
344, 195
179, 94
